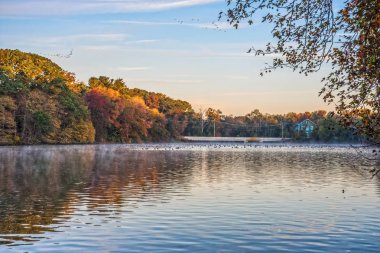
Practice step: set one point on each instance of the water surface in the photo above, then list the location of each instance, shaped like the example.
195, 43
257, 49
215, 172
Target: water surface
187, 198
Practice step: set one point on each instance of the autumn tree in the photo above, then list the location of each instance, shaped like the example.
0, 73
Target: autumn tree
104, 81
136, 120
158, 131
7, 120
119, 117
105, 106
310, 33
35, 68
48, 107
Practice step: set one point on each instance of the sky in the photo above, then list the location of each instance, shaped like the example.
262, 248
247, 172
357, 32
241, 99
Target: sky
176, 47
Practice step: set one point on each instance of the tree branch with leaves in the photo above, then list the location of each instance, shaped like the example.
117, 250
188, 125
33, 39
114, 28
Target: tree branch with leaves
310, 33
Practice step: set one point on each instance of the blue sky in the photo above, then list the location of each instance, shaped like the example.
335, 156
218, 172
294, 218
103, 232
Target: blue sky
176, 47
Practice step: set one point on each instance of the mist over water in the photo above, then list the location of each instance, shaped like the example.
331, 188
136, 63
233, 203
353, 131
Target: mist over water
187, 197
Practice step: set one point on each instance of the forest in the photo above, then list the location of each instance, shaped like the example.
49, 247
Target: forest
40, 103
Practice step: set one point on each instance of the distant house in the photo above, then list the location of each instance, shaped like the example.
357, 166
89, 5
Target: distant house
307, 126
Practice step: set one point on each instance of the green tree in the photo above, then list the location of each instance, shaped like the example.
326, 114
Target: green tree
329, 130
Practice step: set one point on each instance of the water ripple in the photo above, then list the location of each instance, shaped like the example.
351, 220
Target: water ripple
187, 198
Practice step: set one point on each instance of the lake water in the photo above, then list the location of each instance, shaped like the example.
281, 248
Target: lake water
188, 198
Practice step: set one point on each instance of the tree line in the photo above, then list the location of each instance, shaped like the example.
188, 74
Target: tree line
42, 103
326, 126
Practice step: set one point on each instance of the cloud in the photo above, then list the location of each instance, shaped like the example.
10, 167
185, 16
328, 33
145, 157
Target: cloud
221, 25
67, 7
128, 69
165, 81
176, 22
232, 77
140, 41
96, 37
141, 22
100, 47
263, 93
101, 36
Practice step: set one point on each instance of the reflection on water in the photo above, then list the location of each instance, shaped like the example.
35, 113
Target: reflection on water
186, 197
